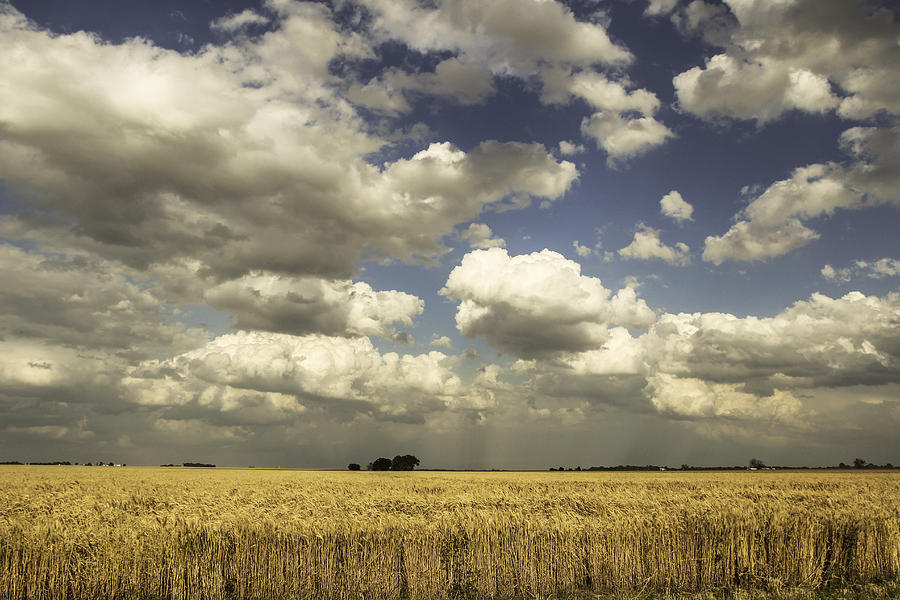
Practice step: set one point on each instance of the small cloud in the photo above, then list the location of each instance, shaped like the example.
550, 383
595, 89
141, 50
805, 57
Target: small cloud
570, 149
879, 269
646, 245
441, 342
660, 7
480, 235
242, 20
673, 206
470, 352
582, 251
402, 337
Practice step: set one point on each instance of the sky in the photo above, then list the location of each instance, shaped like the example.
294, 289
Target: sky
507, 234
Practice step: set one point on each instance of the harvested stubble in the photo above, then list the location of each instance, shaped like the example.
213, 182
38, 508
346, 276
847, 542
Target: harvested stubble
83, 533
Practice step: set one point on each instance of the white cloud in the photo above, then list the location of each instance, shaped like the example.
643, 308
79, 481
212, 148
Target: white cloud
693, 397
606, 95
242, 157
508, 36
715, 365
236, 22
660, 7
452, 80
304, 369
624, 137
883, 267
301, 305
567, 148
772, 225
538, 303
623, 124
85, 303
714, 23
729, 87
795, 55
480, 235
441, 341
646, 245
674, 206
581, 250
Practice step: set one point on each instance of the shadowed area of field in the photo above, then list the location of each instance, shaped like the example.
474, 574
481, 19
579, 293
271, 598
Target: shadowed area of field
78, 533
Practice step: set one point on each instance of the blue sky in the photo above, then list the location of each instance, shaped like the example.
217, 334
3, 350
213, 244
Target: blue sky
513, 234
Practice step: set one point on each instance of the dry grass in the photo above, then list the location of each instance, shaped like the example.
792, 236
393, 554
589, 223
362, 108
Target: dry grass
87, 532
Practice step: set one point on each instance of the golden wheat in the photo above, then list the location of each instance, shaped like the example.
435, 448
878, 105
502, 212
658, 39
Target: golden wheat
86, 532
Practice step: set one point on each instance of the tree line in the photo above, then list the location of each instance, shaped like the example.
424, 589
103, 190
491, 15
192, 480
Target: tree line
406, 462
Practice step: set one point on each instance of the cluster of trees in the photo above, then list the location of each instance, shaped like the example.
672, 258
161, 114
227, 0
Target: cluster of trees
754, 464
190, 464
406, 462
859, 463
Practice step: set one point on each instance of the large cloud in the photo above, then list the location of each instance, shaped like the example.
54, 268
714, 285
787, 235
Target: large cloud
451, 79
529, 39
539, 303
515, 37
715, 365
86, 303
795, 56
623, 125
313, 369
812, 56
243, 157
307, 305
774, 222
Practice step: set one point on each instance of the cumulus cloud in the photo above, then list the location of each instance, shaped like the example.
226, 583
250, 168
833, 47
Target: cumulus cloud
623, 124
304, 369
606, 95
310, 305
717, 365
713, 23
818, 342
646, 245
451, 80
814, 57
883, 267
691, 397
772, 224
674, 206
441, 341
537, 304
479, 235
581, 250
623, 137
87, 303
660, 7
243, 157
244, 19
567, 148
831, 45
507, 36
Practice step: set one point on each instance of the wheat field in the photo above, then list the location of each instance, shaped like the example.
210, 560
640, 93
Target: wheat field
177, 533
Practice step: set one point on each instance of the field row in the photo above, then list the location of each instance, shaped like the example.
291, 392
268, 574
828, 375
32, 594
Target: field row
143, 533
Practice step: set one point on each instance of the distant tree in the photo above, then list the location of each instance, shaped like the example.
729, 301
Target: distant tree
353, 467
755, 463
380, 464
685, 467
407, 462
859, 463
